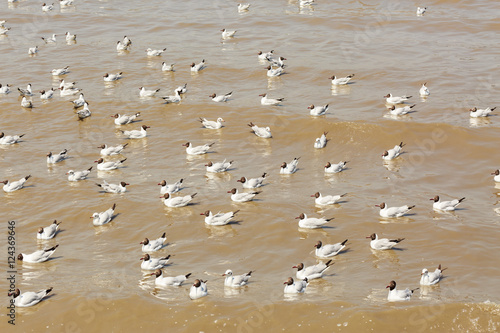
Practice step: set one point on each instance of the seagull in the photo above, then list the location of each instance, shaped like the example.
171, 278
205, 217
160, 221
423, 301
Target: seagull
65, 3
242, 197
324, 251
112, 77
103, 217
429, 279
219, 218
60, 71
221, 98
26, 104
421, 11
29, 298
396, 99
445, 205
263, 132
210, 124
270, 101
126, 41
123, 119
198, 67
317, 110
154, 53
243, 7
170, 188
4, 89
173, 98
169, 280
174, 202
295, 287
303, 3
108, 166
398, 295
64, 91
198, 289
182, 89
33, 50
85, 112
74, 176
55, 158
14, 186
252, 182
147, 93
47, 8
166, 67
272, 72
151, 264
327, 199
424, 91
120, 46
111, 150
227, 34
400, 111
218, 166
476, 113
198, 150
311, 222
27, 91
497, 176
393, 153
70, 37
384, 243
66, 84
48, 232
288, 169
236, 281
312, 272
9, 139
335, 168
393, 211
47, 94
137, 134
277, 62
153, 245
265, 55
338, 81
321, 141
49, 39
113, 188
37, 256
4, 30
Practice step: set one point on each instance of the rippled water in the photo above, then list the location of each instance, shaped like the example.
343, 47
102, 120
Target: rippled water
98, 284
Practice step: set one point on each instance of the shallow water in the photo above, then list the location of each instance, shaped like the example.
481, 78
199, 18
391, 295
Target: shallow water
98, 284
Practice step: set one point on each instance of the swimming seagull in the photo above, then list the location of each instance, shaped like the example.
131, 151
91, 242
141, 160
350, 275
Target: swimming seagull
152, 264
113, 188
393, 211
270, 101
263, 132
108, 166
103, 217
85, 112
399, 295
170, 188
327, 199
317, 110
153, 245
273, 72
220, 98
14, 186
166, 67
33, 50
28, 298
154, 53
321, 141
26, 92
147, 93
445, 205
421, 11
243, 7
197, 150
48, 232
227, 33
47, 8
45, 95
74, 176
496, 175
383, 243
120, 46
400, 111
198, 67
312, 272
175, 202
65, 3
49, 39
37, 256
79, 102
295, 287
328, 250
252, 182
424, 91
111, 150
429, 279
211, 124
311, 222
60, 71
9, 139
393, 153
337, 81
112, 77
137, 134
70, 37
335, 168
173, 98
219, 218
169, 280
198, 289
218, 166
288, 169
242, 197
55, 158
396, 99
4, 89
123, 119
476, 113
236, 281
265, 55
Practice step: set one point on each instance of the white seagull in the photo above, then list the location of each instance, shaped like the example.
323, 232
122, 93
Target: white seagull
210, 124
153, 245
137, 134
85, 112
288, 169
220, 98
112, 77
429, 279
476, 113
445, 205
252, 182
198, 67
9, 139
327, 199
151, 264
496, 175
113, 188
50, 39
55, 158
338, 81
65, 91
399, 295
103, 217
154, 53
197, 150
26, 104
424, 91
48, 232
74, 176
395, 99
70, 37
108, 166
166, 67
311, 222
421, 11
27, 91
111, 150
218, 166
164, 281
60, 71
37, 256
243, 7
198, 289
33, 50
312, 272
295, 287
123, 119
236, 281
170, 188
174, 202
173, 98
219, 218
227, 33
383, 243
393, 153
47, 94
242, 197
273, 72
265, 55
317, 110
393, 211
263, 132
147, 93
28, 298
324, 251
321, 141
5, 89
14, 186
270, 101
335, 168
400, 111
